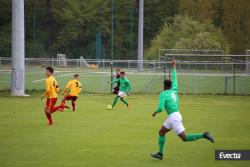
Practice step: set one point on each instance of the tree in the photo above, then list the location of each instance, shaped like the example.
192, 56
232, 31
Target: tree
236, 24
187, 33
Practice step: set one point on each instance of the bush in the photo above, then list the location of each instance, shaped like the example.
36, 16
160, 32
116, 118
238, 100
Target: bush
187, 33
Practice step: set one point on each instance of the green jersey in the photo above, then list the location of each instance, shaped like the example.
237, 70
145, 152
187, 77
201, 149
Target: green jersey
125, 85
168, 100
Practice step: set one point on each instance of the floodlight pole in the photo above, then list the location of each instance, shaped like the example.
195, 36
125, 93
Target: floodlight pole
234, 76
131, 33
17, 49
112, 41
140, 36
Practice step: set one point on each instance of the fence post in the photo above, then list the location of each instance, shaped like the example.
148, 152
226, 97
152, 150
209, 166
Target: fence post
103, 82
111, 78
234, 77
195, 84
222, 64
154, 66
243, 86
225, 85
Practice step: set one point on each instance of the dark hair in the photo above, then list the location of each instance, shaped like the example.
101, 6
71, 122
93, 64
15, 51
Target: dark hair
167, 83
76, 75
122, 72
118, 69
50, 69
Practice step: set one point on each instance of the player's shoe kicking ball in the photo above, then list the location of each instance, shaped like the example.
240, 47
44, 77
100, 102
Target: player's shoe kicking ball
124, 89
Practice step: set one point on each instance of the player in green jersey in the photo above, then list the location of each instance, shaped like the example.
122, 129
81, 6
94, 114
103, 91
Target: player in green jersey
124, 89
169, 102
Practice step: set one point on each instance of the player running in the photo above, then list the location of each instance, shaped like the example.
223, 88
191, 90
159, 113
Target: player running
124, 89
71, 91
51, 90
169, 102
116, 89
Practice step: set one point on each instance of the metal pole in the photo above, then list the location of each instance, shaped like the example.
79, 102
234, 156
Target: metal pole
17, 50
234, 76
112, 42
100, 41
140, 36
225, 85
34, 32
131, 33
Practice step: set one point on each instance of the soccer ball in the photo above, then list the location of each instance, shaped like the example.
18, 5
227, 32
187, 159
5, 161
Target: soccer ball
109, 107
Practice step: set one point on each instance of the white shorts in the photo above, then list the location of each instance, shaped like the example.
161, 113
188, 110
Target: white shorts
174, 121
121, 94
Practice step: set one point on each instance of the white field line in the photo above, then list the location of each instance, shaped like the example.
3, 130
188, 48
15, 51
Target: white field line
39, 80
34, 72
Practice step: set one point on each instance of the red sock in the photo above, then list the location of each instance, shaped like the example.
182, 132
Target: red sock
48, 115
73, 105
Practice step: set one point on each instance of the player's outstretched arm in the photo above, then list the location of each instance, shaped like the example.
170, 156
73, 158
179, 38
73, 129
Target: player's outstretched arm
174, 76
161, 106
115, 81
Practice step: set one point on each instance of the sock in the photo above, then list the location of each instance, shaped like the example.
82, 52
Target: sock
115, 101
124, 101
73, 105
193, 137
48, 117
161, 142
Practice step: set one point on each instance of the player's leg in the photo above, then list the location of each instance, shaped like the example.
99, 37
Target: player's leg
180, 130
47, 112
115, 101
66, 98
124, 101
73, 103
195, 136
54, 108
161, 142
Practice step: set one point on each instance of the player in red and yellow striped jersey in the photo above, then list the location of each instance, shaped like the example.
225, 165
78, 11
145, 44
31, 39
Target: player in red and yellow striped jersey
71, 91
51, 90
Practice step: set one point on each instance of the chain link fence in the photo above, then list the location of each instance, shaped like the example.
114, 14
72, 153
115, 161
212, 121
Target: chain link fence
194, 77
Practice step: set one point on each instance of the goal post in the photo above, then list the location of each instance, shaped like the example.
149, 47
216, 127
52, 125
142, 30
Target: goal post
61, 60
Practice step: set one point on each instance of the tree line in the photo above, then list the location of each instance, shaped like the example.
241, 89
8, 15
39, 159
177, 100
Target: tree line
73, 27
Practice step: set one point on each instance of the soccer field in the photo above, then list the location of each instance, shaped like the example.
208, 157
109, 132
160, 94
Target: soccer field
95, 81
93, 136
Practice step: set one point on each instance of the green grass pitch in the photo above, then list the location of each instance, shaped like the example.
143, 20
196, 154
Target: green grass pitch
93, 136
95, 81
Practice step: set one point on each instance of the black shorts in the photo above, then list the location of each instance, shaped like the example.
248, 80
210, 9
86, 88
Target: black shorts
116, 90
73, 98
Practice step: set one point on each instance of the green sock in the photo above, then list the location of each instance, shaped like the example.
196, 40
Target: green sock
193, 137
161, 142
124, 101
115, 101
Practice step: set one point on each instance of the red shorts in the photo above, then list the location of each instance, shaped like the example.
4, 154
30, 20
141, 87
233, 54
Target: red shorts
51, 102
73, 98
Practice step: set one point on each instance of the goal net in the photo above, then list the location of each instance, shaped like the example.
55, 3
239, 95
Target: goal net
61, 60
